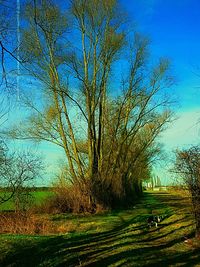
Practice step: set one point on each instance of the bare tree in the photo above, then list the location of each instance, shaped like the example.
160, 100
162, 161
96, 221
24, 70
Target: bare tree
187, 166
18, 173
117, 135
8, 47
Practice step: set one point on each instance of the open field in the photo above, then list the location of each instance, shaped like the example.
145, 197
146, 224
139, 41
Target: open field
119, 238
38, 197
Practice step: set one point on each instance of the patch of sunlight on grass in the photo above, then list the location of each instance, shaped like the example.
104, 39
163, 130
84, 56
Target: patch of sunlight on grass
119, 263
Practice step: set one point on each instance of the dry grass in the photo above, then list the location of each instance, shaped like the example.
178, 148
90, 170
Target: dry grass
25, 223
37, 224
33, 224
70, 198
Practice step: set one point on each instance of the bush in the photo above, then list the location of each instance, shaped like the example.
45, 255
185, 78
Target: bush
70, 198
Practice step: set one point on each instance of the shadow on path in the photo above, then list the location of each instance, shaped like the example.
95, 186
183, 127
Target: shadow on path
125, 245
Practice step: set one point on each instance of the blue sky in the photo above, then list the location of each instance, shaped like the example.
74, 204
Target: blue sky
173, 27
174, 30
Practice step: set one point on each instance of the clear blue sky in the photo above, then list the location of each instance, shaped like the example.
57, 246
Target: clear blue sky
174, 30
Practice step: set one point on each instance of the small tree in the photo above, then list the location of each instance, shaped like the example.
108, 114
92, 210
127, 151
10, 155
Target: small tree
188, 166
18, 171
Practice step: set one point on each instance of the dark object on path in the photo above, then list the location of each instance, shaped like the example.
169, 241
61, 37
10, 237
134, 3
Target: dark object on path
153, 220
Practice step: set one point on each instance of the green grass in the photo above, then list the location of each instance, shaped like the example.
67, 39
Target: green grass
38, 197
118, 238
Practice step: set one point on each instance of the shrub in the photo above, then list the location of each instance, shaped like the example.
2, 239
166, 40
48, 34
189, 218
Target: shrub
70, 198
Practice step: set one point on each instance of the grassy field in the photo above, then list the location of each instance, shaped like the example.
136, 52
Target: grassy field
119, 238
38, 197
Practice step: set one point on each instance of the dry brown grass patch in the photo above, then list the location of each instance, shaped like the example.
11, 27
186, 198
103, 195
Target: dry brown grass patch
31, 224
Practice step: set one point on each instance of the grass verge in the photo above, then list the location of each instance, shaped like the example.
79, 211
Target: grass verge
118, 238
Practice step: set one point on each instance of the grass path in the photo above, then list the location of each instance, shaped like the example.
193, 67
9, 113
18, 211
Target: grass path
114, 239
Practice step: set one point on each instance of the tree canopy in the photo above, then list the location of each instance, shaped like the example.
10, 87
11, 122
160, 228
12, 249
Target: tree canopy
107, 121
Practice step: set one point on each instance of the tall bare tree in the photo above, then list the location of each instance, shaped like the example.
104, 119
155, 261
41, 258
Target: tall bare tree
115, 139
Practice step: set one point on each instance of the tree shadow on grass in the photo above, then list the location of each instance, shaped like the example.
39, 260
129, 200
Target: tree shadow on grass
65, 248
175, 201
128, 244
101, 249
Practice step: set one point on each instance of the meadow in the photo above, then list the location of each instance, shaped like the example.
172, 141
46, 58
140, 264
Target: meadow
37, 198
117, 238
